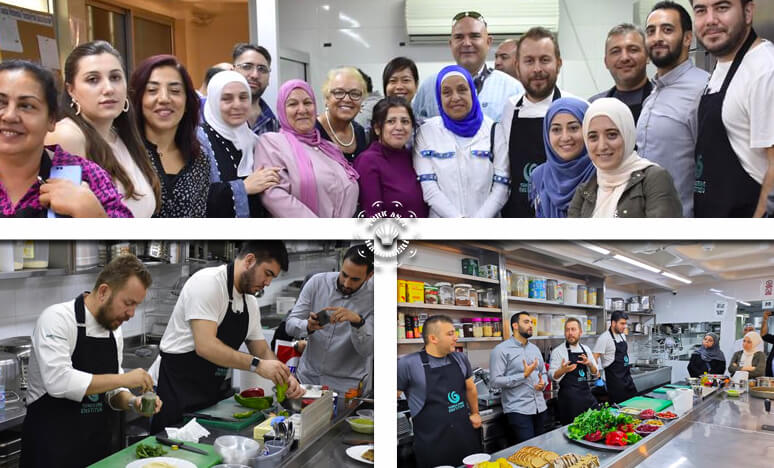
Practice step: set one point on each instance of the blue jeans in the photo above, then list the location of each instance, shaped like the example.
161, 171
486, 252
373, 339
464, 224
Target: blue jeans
526, 426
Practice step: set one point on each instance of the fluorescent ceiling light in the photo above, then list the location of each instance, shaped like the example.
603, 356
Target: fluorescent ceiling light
593, 247
716, 290
636, 263
676, 277
744, 303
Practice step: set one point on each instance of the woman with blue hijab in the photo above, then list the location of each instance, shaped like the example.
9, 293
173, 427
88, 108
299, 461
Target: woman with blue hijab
567, 165
459, 173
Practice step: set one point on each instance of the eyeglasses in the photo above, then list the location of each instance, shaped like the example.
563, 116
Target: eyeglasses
248, 67
468, 14
354, 94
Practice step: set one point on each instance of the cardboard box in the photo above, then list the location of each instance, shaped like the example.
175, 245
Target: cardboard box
402, 295
415, 291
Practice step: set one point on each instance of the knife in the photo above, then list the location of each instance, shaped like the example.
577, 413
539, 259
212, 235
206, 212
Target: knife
208, 417
181, 445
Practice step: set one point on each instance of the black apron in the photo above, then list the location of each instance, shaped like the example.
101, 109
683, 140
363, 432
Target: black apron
63, 433
620, 386
443, 434
635, 108
189, 383
723, 188
574, 393
526, 151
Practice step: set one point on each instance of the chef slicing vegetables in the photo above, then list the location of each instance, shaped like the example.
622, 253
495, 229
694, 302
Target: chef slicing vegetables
215, 313
613, 351
76, 384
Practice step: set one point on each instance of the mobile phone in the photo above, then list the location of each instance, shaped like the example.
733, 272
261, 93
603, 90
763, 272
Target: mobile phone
323, 318
71, 173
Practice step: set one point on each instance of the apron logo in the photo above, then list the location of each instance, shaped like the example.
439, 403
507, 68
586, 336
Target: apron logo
94, 398
700, 186
455, 400
221, 372
453, 397
92, 405
626, 360
528, 170
581, 374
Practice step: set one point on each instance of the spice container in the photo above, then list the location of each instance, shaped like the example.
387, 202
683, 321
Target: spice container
462, 294
592, 296
474, 298
458, 329
497, 327
478, 327
470, 266
490, 298
522, 285
582, 295
481, 293
445, 293
467, 328
487, 326
431, 294
551, 286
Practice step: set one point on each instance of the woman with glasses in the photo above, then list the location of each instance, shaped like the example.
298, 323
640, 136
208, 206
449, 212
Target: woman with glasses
343, 89
316, 181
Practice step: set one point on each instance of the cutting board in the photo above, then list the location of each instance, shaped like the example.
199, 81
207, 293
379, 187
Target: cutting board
646, 403
226, 409
665, 388
122, 458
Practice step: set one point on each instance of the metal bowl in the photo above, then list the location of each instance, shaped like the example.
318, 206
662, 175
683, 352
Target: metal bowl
236, 449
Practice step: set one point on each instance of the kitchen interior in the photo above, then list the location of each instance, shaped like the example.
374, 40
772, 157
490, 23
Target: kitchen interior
673, 292
36, 274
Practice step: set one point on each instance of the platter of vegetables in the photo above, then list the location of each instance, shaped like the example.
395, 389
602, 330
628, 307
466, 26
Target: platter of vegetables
603, 428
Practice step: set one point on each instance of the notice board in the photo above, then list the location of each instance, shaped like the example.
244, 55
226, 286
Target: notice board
29, 35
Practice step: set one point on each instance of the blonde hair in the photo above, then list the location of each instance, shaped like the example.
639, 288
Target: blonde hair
347, 71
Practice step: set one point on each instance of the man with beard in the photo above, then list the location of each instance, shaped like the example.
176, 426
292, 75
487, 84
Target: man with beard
470, 43
76, 383
254, 63
335, 314
666, 131
572, 366
442, 397
520, 133
735, 143
517, 368
612, 351
625, 59
505, 57
215, 313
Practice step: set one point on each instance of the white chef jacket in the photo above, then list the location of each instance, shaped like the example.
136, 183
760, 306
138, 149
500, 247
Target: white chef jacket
53, 343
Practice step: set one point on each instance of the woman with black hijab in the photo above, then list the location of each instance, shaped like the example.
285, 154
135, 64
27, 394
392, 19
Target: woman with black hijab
707, 359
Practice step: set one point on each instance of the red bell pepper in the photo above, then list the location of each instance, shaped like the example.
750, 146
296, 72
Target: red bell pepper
594, 436
252, 392
626, 427
615, 438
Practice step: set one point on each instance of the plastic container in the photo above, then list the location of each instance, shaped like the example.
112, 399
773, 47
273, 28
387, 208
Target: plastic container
478, 327
470, 266
582, 295
497, 327
570, 292
592, 296
401, 328
35, 254
474, 302
431, 294
490, 298
270, 457
458, 329
445, 293
533, 288
551, 287
481, 294
6, 257
488, 332
462, 294
467, 328
522, 285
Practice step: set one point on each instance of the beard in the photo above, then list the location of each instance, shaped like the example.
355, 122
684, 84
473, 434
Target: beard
525, 333
246, 284
256, 94
540, 93
347, 291
736, 35
103, 315
572, 340
670, 59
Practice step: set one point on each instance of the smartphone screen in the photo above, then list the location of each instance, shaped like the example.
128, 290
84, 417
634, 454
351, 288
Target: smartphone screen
71, 173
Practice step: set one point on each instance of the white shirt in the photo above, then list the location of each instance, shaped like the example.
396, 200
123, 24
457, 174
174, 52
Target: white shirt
53, 344
459, 176
748, 112
605, 346
559, 354
204, 297
146, 205
738, 345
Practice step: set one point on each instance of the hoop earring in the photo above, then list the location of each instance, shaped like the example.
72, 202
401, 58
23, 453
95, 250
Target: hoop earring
75, 105
126, 105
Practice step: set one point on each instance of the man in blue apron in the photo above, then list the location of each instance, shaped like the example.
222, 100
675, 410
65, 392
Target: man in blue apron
735, 143
520, 133
215, 313
613, 351
442, 397
572, 366
76, 384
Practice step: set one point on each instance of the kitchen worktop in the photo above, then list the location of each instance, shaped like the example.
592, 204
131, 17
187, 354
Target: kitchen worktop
12, 415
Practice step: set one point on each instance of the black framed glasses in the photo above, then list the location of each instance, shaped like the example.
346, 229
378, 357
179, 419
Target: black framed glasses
354, 94
468, 14
248, 67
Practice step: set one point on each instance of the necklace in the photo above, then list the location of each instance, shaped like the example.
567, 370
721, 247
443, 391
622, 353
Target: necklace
333, 132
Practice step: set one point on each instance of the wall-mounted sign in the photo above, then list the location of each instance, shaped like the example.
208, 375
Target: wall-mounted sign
767, 305
720, 308
767, 289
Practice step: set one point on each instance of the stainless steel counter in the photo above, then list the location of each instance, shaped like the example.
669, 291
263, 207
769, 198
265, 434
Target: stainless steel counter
648, 378
12, 415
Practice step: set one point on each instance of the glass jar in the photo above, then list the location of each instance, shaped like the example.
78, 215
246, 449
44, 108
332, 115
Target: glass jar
445, 293
478, 327
481, 293
474, 302
487, 325
497, 327
462, 294
533, 288
511, 285
522, 285
467, 328
592, 296
551, 286
490, 298
431, 294
582, 295
458, 329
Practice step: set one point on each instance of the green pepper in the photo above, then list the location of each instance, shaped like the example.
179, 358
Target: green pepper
258, 403
280, 393
632, 438
244, 414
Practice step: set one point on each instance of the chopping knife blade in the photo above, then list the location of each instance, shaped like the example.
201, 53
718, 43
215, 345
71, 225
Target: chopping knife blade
208, 417
181, 445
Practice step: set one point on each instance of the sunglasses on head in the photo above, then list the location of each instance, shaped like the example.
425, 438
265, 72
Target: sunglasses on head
468, 14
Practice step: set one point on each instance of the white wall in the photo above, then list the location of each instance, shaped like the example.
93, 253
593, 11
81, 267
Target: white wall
368, 33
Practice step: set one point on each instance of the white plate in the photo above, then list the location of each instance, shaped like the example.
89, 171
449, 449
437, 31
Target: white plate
365, 413
356, 452
476, 458
176, 462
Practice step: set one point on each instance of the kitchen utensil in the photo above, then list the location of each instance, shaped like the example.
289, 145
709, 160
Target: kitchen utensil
366, 413
361, 427
176, 462
618, 303
129, 455
236, 449
356, 453
180, 445
208, 417
762, 392
767, 405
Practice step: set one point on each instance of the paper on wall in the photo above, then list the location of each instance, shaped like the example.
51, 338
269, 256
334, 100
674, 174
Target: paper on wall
49, 54
9, 35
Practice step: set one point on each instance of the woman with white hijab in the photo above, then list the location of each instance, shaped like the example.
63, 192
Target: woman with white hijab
229, 144
625, 185
748, 359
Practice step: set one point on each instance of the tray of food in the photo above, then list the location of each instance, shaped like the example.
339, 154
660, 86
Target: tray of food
603, 429
666, 416
572, 460
533, 457
762, 392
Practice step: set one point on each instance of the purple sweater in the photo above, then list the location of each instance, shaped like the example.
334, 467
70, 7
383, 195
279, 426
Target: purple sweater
387, 175
99, 182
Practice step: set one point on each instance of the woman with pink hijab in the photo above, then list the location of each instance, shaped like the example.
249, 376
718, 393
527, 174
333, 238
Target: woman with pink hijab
316, 181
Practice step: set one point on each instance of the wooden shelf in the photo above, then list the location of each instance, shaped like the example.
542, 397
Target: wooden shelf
419, 305
528, 300
459, 340
445, 274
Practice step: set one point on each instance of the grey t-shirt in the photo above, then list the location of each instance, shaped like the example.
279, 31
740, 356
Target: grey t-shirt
411, 375
630, 98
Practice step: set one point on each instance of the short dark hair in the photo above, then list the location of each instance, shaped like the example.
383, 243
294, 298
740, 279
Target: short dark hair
212, 71
369, 82
243, 47
537, 33
624, 28
360, 255
685, 18
382, 108
515, 317
118, 272
265, 250
431, 322
395, 65
744, 2
618, 315
573, 319
44, 78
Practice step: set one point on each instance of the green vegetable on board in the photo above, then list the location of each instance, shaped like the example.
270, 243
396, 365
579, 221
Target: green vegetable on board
149, 451
244, 414
280, 393
591, 421
258, 403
